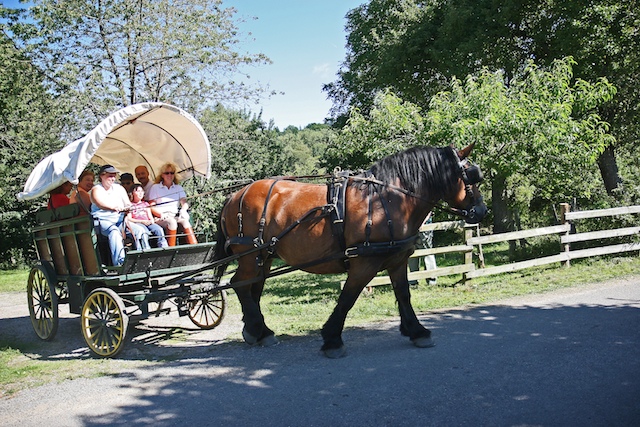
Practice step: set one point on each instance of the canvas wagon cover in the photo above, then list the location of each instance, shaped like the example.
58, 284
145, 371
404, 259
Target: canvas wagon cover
149, 134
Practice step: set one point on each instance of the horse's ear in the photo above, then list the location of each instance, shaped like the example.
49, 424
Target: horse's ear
464, 153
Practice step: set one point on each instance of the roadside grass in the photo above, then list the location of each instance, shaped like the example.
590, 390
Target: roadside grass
298, 304
13, 280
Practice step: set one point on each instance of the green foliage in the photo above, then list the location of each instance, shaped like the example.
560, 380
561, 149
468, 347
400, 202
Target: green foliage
104, 55
415, 48
31, 121
537, 138
392, 125
245, 149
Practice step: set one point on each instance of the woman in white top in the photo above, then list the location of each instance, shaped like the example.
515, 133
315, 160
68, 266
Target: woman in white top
171, 204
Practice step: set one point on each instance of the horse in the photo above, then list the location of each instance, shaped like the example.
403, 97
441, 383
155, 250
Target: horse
359, 223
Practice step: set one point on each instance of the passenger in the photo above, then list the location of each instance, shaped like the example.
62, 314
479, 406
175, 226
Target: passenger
59, 196
140, 213
109, 201
81, 194
142, 175
171, 204
126, 180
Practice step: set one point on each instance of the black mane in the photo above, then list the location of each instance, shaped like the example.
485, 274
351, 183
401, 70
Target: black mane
426, 171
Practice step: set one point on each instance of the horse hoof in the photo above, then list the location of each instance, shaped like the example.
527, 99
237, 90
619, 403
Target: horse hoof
423, 342
248, 338
335, 353
268, 341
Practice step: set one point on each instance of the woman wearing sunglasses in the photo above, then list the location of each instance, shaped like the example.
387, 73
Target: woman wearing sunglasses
171, 204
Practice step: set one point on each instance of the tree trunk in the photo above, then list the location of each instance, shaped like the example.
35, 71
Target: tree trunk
609, 170
501, 221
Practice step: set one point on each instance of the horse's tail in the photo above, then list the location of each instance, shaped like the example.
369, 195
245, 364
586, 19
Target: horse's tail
221, 240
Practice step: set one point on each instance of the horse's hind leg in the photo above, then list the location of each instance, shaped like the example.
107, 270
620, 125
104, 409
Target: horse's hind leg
409, 324
255, 330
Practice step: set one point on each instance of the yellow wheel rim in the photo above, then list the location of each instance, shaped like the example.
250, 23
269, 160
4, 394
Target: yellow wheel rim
104, 322
43, 304
207, 311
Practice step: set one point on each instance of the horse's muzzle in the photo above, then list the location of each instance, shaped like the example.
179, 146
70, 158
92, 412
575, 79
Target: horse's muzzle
476, 213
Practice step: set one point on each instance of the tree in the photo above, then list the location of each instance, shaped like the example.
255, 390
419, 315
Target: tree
415, 47
30, 124
304, 149
537, 138
108, 54
390, 126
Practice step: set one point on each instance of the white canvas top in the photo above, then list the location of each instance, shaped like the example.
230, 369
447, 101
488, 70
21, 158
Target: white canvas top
149, 134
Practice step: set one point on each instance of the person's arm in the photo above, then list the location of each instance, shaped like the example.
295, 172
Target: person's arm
150, 216
101, 199
130, 217
184, 205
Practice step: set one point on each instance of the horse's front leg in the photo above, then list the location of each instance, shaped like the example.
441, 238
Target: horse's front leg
409, 324
255, 330
333, 346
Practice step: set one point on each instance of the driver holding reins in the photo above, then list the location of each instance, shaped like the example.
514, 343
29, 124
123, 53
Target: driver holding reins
109, 201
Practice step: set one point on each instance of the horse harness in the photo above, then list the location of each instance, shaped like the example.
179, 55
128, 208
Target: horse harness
335, 209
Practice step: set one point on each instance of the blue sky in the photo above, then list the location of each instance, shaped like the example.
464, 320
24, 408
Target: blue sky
305, 39
306, 42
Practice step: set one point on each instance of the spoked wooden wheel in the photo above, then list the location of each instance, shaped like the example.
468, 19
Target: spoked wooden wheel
43, 303
104, 322
207, 310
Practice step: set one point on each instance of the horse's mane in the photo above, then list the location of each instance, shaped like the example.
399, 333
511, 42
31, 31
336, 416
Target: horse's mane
425, 171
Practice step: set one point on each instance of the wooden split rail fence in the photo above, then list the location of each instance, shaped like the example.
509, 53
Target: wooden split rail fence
473, 242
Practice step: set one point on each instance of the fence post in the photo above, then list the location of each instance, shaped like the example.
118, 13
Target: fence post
564, 209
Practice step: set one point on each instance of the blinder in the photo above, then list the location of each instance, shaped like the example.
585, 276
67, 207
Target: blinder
472, 175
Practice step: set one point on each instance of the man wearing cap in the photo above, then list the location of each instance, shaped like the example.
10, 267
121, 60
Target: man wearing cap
108, 201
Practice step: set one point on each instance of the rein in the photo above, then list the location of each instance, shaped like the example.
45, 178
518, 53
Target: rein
438, 206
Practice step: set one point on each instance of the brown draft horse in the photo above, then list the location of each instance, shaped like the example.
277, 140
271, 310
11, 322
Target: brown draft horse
384, 208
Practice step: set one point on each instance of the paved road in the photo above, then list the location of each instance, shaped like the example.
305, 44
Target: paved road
569, 358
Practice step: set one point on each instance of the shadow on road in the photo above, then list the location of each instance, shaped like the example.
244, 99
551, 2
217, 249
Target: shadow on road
492, 365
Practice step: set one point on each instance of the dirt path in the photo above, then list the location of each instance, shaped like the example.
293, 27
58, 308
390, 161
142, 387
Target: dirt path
570, 357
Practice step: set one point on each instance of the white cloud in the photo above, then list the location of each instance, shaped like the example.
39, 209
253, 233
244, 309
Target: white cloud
323, 70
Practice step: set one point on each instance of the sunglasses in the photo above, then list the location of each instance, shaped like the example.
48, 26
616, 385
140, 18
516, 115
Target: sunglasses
168, 173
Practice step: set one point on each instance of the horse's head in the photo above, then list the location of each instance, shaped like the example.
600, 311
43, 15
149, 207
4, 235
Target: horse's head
467, 201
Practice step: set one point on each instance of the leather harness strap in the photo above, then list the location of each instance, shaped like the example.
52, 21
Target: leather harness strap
336, 209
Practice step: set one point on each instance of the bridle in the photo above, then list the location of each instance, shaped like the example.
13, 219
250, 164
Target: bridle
471, 175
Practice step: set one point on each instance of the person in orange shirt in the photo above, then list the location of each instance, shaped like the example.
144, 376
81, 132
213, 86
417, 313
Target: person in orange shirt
59, 196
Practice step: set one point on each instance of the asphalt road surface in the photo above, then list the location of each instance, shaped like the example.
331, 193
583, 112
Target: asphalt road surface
567, 358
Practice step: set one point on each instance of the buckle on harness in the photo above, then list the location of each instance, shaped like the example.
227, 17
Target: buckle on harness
351, 252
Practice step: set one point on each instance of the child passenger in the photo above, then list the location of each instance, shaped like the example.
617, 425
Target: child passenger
140, 212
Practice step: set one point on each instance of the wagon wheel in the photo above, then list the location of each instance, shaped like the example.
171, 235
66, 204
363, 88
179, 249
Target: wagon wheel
43, 302
104, 322
207, 310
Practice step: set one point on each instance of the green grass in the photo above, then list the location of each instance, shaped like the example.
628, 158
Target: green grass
13, 280
298, 304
